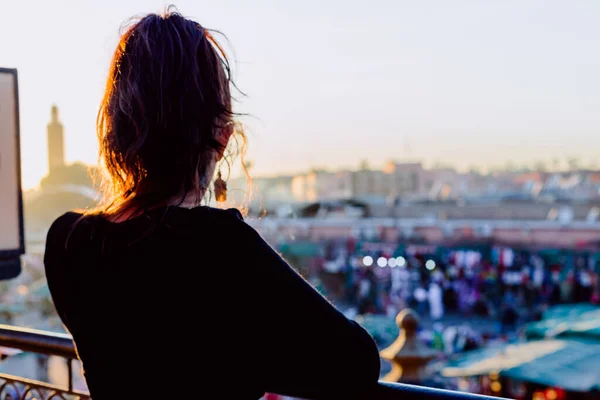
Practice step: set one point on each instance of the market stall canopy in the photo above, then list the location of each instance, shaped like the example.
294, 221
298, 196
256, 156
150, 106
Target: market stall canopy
300, 248
569, 310
568, 321
569, 364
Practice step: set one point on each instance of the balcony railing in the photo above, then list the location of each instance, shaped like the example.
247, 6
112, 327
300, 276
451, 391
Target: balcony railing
40, 342
56, 344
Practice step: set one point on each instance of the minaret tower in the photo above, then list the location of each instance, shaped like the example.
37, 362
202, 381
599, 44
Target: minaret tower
56, 142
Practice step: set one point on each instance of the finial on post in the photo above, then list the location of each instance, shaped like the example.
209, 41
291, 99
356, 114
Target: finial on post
408, 355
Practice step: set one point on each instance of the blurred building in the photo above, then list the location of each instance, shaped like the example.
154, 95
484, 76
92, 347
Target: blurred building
406, 178
261, 193
442, 183
409, 190
322, 185
368, 183
562, 230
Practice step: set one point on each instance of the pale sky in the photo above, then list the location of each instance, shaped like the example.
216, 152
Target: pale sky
331, 82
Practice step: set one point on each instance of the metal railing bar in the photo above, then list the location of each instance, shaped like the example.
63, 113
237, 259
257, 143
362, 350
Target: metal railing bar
58, 344
42, 385
37, 341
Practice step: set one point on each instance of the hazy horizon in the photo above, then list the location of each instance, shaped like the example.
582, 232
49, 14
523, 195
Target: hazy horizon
332, 83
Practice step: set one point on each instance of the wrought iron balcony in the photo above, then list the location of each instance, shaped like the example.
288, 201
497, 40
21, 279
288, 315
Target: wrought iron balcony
56, 344
40, 342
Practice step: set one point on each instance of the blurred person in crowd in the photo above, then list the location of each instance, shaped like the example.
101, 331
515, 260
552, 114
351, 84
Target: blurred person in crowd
583, 286
508, 318
470, 340
367, 293
566, 287
436, 305
420, 296
438, 338
449, 336
450, 296
556, 296
166, 127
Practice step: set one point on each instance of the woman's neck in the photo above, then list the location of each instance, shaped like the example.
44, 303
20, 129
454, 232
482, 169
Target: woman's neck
190, 200
186, 205
127, 210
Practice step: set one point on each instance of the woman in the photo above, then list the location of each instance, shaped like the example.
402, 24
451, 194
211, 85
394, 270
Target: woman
147, 284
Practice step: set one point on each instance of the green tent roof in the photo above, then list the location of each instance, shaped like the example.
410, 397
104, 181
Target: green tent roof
569, 310
574, 321
569, 364
300, 249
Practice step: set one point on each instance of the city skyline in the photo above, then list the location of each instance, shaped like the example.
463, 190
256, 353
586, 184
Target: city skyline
56, 162
462, 84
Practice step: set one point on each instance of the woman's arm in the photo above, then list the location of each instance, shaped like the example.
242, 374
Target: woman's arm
307, 347
55, 263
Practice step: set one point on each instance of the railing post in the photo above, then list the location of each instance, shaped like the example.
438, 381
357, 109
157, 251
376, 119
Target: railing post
70, 372
42, 367
408, 355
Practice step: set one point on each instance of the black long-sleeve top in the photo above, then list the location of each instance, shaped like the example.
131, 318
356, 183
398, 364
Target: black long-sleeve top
193, 303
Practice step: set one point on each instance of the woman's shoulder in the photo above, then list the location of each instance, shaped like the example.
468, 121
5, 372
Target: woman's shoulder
56, 240
231, 215
60, 230
232, 221
234, 213
63, 224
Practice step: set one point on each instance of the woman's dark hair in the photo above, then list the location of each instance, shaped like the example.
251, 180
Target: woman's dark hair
166, 115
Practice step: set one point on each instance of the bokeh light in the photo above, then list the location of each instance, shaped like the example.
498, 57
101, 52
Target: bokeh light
430, 265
